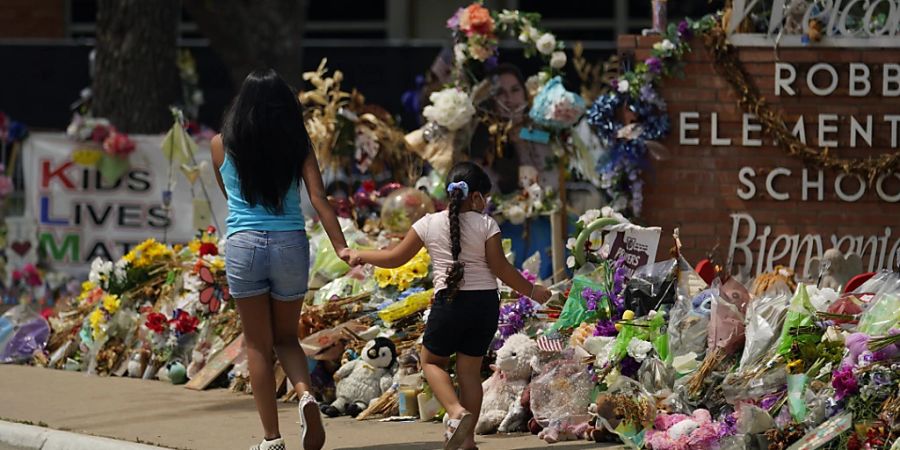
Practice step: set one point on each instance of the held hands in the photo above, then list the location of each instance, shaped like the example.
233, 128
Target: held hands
350, 256
540, 294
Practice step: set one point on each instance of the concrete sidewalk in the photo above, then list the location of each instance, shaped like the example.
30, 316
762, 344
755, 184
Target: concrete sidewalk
156, 413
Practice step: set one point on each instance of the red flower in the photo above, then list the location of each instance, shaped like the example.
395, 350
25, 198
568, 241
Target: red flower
185, 323
156, 322
46, 313
208, 248
368, 186
100, 133
210, 230
118, 144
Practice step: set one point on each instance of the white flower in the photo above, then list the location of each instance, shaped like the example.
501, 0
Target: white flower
558, 60
506, 16
571, 243
459, 52
450, 108
546, 43
665, 45
99, 270
589, 216
638, 349
570, 262
534, 34
623, 86
516, 214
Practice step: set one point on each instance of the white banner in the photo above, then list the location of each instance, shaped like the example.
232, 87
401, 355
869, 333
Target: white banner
80, 216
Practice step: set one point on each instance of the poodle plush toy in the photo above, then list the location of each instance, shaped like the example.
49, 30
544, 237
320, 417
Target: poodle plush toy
501, 409
364, 379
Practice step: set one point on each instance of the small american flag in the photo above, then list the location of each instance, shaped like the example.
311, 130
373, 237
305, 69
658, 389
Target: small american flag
551, 344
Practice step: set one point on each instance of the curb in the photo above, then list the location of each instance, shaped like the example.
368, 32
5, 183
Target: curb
38, 438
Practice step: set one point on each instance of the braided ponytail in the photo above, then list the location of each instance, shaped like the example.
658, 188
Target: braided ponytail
463, 178
457, 270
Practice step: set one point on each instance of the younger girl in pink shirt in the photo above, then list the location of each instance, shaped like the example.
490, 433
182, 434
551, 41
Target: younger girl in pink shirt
467, 258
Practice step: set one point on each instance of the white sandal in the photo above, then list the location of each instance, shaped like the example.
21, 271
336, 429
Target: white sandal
457, 431
310, 415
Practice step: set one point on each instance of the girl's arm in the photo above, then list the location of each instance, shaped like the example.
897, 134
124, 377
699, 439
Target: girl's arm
316, 189
502, 269
217, 150
391, 258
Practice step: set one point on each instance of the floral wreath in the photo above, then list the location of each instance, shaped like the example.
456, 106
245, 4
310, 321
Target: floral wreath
620, 171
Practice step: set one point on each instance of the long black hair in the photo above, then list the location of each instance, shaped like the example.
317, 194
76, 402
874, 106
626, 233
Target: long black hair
265, 137
477, 181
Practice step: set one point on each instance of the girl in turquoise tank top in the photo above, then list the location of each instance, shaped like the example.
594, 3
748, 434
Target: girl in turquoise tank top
262, 156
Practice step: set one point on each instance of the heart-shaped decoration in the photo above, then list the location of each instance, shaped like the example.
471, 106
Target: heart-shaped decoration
21, 248
192, 173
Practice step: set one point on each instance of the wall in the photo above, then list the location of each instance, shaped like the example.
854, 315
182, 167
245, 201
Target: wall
32, 19
697, 187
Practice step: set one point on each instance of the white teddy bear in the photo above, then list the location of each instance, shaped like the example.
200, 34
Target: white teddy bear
501, 409
364, 379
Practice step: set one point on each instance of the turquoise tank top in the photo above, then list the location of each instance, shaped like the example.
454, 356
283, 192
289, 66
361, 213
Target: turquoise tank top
243, 217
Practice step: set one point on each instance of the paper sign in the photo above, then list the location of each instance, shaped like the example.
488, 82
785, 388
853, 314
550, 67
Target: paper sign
533, 135
824, 433
202, 214
216, 365
638, 246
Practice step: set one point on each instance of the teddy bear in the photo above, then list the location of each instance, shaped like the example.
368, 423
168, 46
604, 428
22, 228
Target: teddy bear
502, 410
364, 379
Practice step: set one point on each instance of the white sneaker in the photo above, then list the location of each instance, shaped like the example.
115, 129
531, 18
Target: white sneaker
275, 444
312, 432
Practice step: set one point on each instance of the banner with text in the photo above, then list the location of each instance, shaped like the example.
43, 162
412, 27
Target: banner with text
79, 215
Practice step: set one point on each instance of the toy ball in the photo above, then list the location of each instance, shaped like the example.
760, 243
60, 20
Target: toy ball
177, 373
403, 207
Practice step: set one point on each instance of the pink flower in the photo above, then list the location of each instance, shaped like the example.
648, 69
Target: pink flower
453, 21
844, 382
6, 186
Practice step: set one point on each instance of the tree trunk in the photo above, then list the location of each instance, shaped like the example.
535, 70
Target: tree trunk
249, 35
136, 77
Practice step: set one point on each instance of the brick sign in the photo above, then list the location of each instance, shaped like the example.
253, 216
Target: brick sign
726, 184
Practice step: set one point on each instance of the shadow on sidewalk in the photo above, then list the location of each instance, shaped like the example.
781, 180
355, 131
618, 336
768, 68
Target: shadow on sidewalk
404, 446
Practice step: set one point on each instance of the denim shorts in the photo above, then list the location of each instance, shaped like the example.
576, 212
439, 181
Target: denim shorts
277, 262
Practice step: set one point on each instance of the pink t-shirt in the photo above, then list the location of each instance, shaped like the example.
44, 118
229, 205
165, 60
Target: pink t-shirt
474, 229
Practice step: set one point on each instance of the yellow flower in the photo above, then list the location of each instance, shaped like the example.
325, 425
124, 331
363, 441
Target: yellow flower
194, 246
628, 315
97, 319
129, 257
87, 286
111, 303
217, 264
795, 366
383, 277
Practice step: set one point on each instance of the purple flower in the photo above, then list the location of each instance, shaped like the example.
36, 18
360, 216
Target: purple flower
769, 400
844, 382
606, 328
629, 366
654, 65
728, 426
684, 30
453, 21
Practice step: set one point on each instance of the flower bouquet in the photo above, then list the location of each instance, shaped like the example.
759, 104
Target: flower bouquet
528, 203
555, 107
401, 278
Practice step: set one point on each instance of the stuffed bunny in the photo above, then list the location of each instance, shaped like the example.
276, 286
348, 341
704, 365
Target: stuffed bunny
501, 409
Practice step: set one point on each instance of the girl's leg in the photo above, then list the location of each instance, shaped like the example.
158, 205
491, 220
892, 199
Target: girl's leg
438, 379
256, 320
468, 372
286, 318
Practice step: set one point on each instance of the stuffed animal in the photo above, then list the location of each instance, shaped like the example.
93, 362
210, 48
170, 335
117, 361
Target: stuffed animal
364, 379
501, 409
834, 269
565, 430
